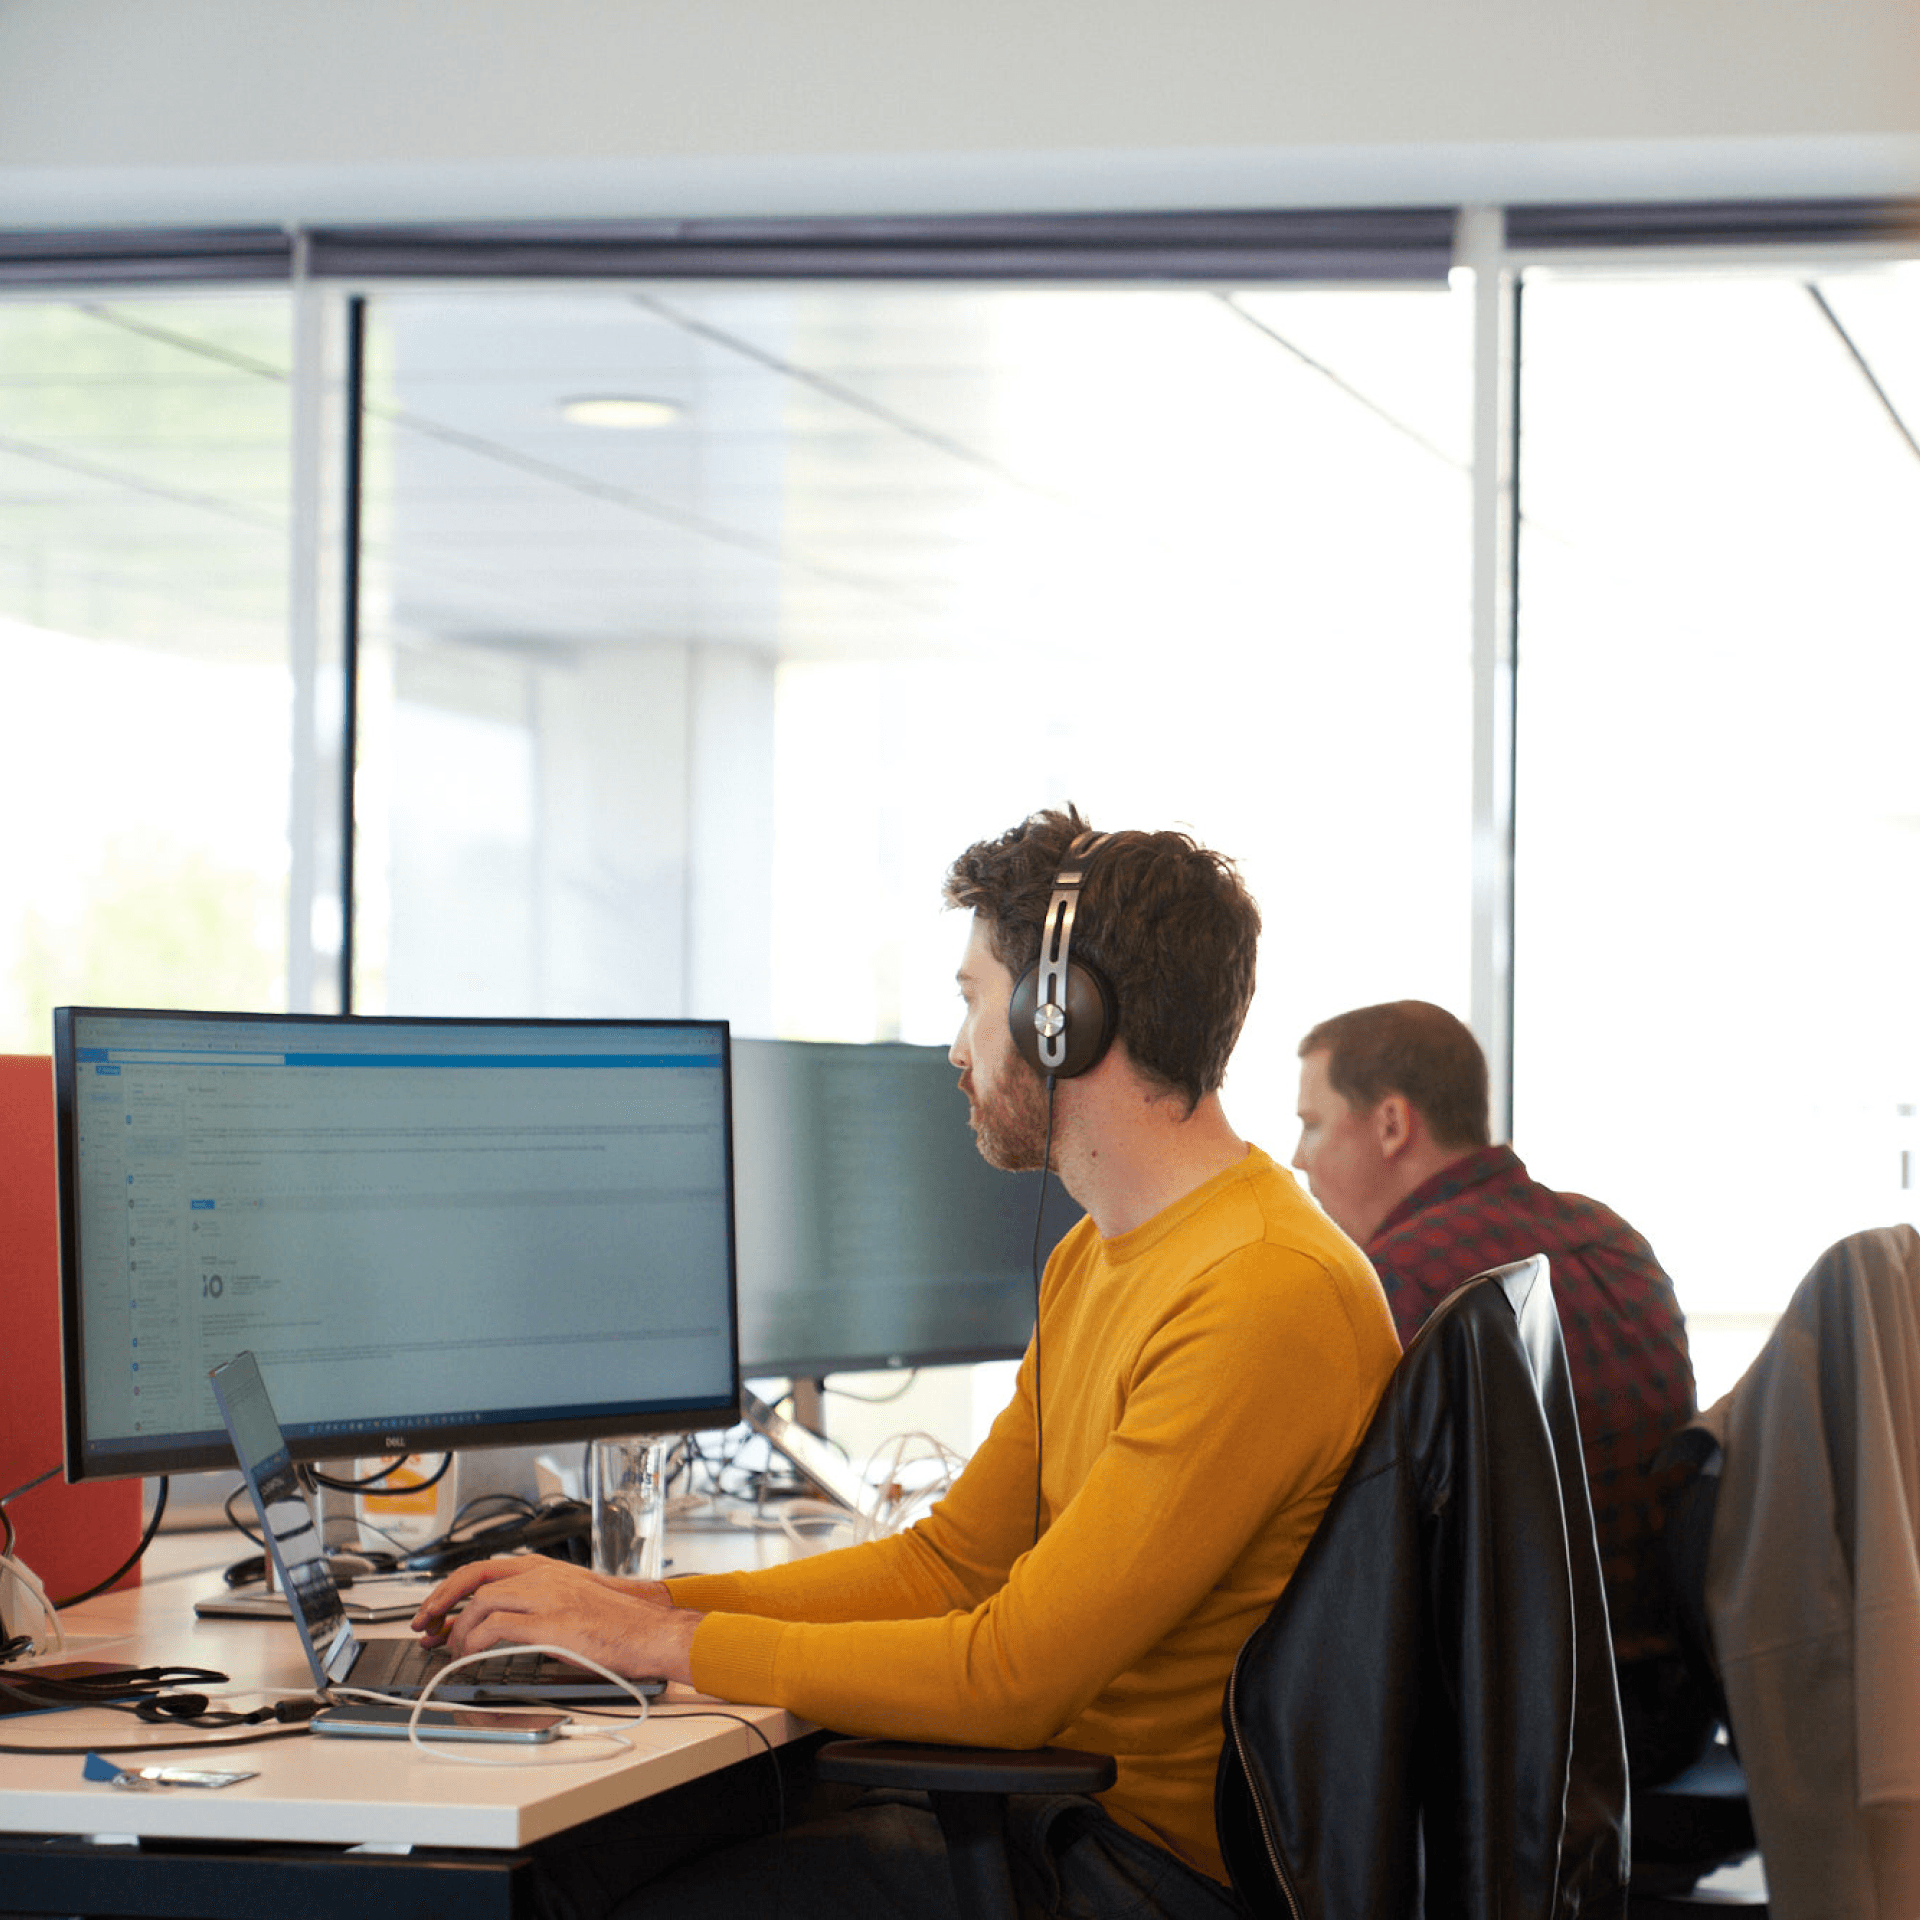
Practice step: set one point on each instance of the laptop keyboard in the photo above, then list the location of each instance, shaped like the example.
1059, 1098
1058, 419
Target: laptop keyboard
405, 1666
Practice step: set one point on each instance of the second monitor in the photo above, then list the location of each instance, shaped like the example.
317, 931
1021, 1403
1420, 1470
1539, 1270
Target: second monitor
870, 1232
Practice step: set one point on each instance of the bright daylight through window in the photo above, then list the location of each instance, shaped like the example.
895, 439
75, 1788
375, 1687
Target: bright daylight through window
701, 623
1719, 892
143, 655
907, 562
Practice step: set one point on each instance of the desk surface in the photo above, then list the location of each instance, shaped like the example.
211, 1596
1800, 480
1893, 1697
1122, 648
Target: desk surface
334, 1791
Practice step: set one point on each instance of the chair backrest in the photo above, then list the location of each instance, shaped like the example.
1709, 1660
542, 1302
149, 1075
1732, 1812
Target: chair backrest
1691, 1461
1812, 1582
1428, 1721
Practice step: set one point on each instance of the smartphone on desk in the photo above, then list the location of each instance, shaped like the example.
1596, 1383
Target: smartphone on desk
381, 1721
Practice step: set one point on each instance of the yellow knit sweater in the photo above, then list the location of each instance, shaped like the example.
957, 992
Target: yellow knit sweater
1205, 1380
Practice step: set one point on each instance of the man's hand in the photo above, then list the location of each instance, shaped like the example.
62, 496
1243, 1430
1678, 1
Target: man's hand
628, 1626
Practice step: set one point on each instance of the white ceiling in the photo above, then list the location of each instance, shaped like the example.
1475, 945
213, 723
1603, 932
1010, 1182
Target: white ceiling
857, 471
867, 470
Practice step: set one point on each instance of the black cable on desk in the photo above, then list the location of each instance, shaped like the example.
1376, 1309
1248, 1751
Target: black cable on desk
132, 1560
27, 1486
6, 1519
759, 1733
152, 1694
34, 1689
168, 1746
339, 1484
879, 1399
120, 1572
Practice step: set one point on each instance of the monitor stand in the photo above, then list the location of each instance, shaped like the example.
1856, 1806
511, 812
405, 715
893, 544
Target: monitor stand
809, 1404
818, 1459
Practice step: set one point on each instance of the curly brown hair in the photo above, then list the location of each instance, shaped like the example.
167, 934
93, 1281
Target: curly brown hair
1168, 922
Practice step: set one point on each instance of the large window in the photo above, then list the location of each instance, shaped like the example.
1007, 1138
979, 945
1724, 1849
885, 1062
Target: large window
144, 673
693, 709
700, 622
1719, 865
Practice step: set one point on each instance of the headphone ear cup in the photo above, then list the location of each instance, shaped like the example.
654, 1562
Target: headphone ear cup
1091, 1019
1026, 1042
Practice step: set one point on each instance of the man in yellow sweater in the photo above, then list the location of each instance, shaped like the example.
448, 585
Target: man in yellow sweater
1208, 1352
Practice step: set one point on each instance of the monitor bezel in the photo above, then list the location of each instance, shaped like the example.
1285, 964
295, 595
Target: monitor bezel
172, 1454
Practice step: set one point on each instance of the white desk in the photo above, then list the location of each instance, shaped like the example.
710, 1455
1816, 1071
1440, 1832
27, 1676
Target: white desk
327, 1792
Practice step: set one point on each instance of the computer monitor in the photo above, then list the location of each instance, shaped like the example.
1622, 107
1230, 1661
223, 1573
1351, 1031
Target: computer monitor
433, 1233
871, 1232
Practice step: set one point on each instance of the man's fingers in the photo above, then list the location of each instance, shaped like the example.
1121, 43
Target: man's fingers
490, 1613
459, 1586
479, 1633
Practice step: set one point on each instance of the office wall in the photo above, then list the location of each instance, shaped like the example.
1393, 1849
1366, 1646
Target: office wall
137, 110
71, 1537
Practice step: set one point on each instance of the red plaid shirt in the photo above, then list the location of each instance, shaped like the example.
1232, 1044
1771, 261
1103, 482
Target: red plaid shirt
1626, 1345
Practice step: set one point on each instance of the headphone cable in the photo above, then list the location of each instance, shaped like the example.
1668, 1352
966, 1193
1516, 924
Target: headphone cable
1039, 1219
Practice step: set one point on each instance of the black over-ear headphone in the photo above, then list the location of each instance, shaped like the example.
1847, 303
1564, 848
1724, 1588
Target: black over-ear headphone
1063, 1013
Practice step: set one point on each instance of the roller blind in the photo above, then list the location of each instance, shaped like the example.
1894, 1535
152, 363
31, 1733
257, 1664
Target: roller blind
1369, 244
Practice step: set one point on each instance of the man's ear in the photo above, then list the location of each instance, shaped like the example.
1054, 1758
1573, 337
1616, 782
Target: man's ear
1393, 1126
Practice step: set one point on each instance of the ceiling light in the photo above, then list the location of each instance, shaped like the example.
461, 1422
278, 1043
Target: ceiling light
623, 410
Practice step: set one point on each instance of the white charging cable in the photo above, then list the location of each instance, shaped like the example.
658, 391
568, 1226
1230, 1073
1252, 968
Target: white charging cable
29, 1584
896, 1504
420, 1706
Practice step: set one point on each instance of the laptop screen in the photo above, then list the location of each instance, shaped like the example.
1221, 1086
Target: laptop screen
292, 1538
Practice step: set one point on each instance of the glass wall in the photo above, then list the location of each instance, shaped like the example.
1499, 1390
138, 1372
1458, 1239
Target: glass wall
568, 636
702, 623
1719, 796
693, 710
144, 667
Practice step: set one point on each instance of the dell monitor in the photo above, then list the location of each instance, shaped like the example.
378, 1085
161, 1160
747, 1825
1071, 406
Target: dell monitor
433, 1233
871, 1232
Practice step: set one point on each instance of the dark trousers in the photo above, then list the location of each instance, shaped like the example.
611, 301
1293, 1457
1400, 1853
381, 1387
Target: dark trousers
712, 1851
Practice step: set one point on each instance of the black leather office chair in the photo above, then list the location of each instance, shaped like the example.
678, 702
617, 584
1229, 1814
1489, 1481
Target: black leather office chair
967, 1788
1427, 1721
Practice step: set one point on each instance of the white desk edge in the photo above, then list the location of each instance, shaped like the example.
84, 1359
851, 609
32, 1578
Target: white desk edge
324, 1790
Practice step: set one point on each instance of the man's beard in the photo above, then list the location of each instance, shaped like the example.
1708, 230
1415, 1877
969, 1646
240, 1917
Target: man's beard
1011, 1132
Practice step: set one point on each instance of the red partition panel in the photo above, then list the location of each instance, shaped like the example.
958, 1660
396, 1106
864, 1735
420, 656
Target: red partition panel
70, 1536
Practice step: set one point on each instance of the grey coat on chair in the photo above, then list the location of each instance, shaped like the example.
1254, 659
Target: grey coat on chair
1813, 1584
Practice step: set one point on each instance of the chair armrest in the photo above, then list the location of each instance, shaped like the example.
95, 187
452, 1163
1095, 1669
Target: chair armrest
928, 1766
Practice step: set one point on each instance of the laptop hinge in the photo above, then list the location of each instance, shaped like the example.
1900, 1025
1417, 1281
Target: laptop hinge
339, 1654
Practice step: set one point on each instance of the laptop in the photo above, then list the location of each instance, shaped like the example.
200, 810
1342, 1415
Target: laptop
399, 1668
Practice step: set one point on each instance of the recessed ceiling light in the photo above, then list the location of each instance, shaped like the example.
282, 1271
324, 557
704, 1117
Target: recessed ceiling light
627, 410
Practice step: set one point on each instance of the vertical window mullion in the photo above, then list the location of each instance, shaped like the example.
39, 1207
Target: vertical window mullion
1482, 248
307, 393
353, 419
